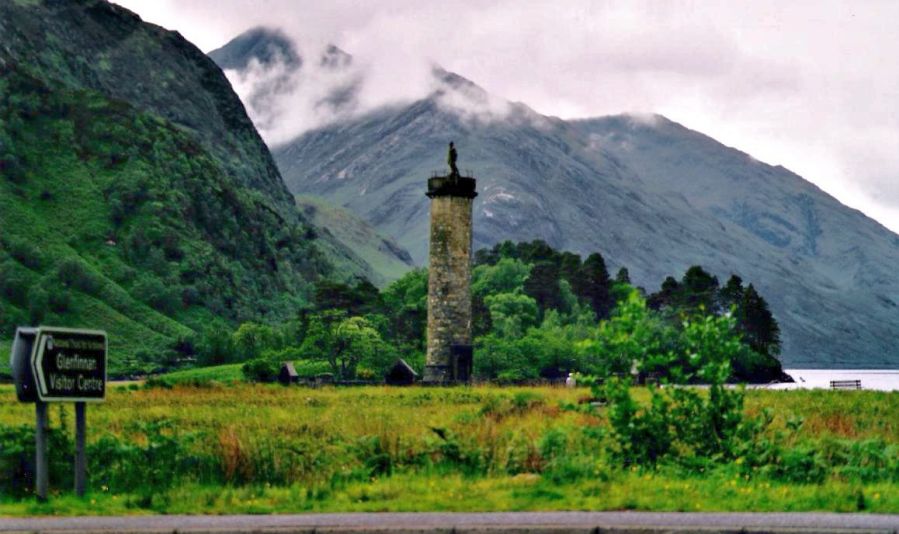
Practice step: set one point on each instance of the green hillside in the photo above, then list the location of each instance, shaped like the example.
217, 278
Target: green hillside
117, 219
387, 259
135, 194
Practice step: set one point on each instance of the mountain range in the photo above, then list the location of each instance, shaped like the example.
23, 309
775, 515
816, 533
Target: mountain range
648, 193
136, 194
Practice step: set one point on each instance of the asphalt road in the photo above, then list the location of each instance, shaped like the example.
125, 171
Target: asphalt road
459, 523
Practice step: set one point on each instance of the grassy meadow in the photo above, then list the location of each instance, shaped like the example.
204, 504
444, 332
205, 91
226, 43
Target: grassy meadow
243, 448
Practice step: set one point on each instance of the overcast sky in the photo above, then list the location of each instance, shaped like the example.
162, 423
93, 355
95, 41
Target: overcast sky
812, 86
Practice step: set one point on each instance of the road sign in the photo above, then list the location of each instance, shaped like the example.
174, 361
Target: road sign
69, 365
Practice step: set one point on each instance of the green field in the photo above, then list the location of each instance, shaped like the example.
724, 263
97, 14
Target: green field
219, 374
265, 448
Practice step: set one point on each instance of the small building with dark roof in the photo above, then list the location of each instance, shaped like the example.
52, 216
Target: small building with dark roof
288, 374
401, 374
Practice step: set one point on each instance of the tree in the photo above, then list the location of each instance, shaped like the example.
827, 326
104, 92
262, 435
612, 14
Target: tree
345, 342
699, 290
758, 326
251, 339
406, 305
511, 313
731, 295
359, 299
216, 346
543, 286
536, 251
632, 335
38, 304
505, 276
623, 276
683, 421
667, 296
503, 358
592, 283
569, 266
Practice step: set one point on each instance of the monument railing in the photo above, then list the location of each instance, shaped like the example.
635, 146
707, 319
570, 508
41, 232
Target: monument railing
468, 173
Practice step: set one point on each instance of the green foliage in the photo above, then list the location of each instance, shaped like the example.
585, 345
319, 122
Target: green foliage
632, 336
330, 446
359, 299
252, 339
505, 276
681, 421
261, 370
129, 223
155, 456
406, 307
511, 313
17, 473
345, 343
160, 297
216, 346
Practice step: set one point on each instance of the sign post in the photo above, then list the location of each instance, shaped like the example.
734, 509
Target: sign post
80, 460
41, 474
59, 365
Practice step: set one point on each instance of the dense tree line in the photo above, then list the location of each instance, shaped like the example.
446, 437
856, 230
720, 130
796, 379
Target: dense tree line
537, 312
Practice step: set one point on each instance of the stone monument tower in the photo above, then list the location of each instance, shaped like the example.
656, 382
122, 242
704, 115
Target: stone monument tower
449, 357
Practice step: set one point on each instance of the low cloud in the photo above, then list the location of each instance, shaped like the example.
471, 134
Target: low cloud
285, 98
811, 86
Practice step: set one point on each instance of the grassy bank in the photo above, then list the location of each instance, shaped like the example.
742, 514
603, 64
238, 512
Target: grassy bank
255, 448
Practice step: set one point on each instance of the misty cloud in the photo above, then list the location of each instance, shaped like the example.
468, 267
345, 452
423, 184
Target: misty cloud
808, 85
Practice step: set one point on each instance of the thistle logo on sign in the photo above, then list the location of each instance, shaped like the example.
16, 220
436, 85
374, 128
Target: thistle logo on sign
69, 365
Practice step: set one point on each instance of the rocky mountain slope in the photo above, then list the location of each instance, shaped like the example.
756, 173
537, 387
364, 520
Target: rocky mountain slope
136, 195
648, 193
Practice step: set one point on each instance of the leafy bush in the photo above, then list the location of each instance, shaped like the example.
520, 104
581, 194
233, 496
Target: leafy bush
17, 473
159, 296
684, 421
38, 304
152, 457
261, 370
59, 300
14, 282
25, 253
73, 273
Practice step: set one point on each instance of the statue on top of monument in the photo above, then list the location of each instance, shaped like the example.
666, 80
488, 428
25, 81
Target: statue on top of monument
451, 160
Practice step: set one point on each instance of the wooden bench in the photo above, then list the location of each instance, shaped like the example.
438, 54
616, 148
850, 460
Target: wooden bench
845, 384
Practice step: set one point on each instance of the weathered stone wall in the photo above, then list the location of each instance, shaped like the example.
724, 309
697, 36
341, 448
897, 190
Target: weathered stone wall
449, 283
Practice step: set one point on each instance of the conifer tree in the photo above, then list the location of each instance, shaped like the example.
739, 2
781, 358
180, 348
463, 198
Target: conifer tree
543, 286
593, 285
731, 294
760, 329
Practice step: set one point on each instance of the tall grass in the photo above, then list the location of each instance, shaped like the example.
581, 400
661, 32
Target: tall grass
543, 448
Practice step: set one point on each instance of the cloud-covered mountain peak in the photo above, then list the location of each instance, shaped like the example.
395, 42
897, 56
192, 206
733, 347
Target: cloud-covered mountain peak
335, 58
265, 45
280, 90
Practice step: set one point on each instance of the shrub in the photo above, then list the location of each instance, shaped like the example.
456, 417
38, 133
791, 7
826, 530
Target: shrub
38, 304
17, 459
260, 370
14, 282
73, 273
25, 253
160, 297
705, 425
59, 300
154, 457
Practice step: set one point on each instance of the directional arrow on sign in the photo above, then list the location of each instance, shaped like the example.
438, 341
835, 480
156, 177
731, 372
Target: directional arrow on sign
69, 364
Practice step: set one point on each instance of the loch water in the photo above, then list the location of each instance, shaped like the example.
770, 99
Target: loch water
873, 379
